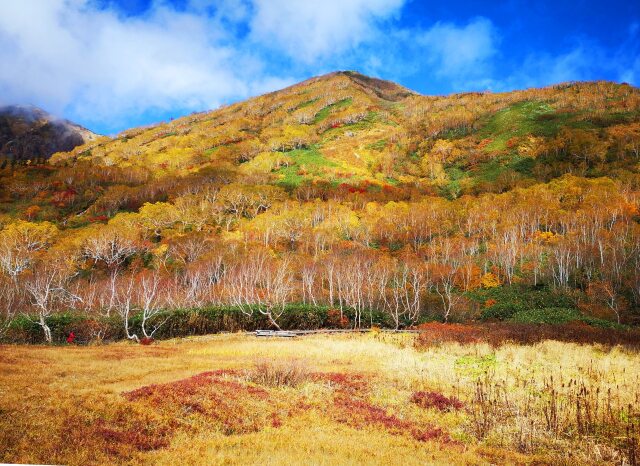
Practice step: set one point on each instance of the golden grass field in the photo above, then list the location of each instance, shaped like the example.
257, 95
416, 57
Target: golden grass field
322, 399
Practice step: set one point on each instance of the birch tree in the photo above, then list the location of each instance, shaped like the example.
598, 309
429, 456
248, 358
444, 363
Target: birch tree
261, 283
47, 289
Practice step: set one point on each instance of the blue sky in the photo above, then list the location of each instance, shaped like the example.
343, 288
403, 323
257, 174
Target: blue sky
114, 64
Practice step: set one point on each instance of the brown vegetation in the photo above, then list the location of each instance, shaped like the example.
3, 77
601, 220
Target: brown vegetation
497, 334
207, 399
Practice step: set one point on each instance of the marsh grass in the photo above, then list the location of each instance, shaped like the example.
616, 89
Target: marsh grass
339, 399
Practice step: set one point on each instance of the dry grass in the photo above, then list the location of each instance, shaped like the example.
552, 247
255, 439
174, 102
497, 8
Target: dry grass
286, 373
343, 399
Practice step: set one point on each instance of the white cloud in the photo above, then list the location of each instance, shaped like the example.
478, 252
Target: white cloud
457, 49
312, 30
632, 74
628, 56
573, 65
461, 53
98, 65
456, 57
586, 60
467, 56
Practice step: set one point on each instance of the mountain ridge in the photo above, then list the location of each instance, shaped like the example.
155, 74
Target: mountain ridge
344, 127
28, 133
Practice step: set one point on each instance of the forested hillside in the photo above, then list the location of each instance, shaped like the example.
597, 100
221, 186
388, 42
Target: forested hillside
343, 201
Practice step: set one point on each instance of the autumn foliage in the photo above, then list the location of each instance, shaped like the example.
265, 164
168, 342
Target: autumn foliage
344, 193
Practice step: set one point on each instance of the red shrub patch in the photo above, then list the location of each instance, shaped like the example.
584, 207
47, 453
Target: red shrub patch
189, 386
235, 406
120, 433
344, 383
359, 413
146, 341
435, 433
137, 438
436, 400
497, 334
435, 333
482, 144
86, 331
275, 420
350, 407
336, 319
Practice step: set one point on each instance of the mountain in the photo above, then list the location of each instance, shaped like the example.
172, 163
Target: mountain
314, 126
345, 127
30, 133
353, 193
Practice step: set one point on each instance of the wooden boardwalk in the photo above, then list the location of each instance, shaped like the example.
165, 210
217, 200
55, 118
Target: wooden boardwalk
296, 333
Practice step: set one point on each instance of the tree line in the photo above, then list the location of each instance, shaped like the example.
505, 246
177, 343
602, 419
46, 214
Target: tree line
258, 249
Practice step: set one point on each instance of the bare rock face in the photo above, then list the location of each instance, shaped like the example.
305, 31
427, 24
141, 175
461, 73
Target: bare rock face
29, 133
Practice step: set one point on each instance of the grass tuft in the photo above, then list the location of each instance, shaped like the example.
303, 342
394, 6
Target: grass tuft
289, 373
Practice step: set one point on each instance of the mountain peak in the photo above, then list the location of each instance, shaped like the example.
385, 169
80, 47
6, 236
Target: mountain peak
387, 90
381, 88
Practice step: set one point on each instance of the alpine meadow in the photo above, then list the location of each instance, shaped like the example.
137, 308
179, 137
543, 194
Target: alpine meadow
342, 271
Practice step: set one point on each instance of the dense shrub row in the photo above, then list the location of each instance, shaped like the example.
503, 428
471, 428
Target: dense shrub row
503, 303
184, 322
526, 326
520, 312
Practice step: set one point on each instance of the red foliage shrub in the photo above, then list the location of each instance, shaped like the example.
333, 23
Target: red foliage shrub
435, 333
335, 319
485, 142
359, 413
86, 331
136, 437
344, 383
497, 334
120, 433
436, 400
235, 406
146, 341
275, 420
350, 408
189, 386
435, 433
572, 332
62, 198
512, 142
